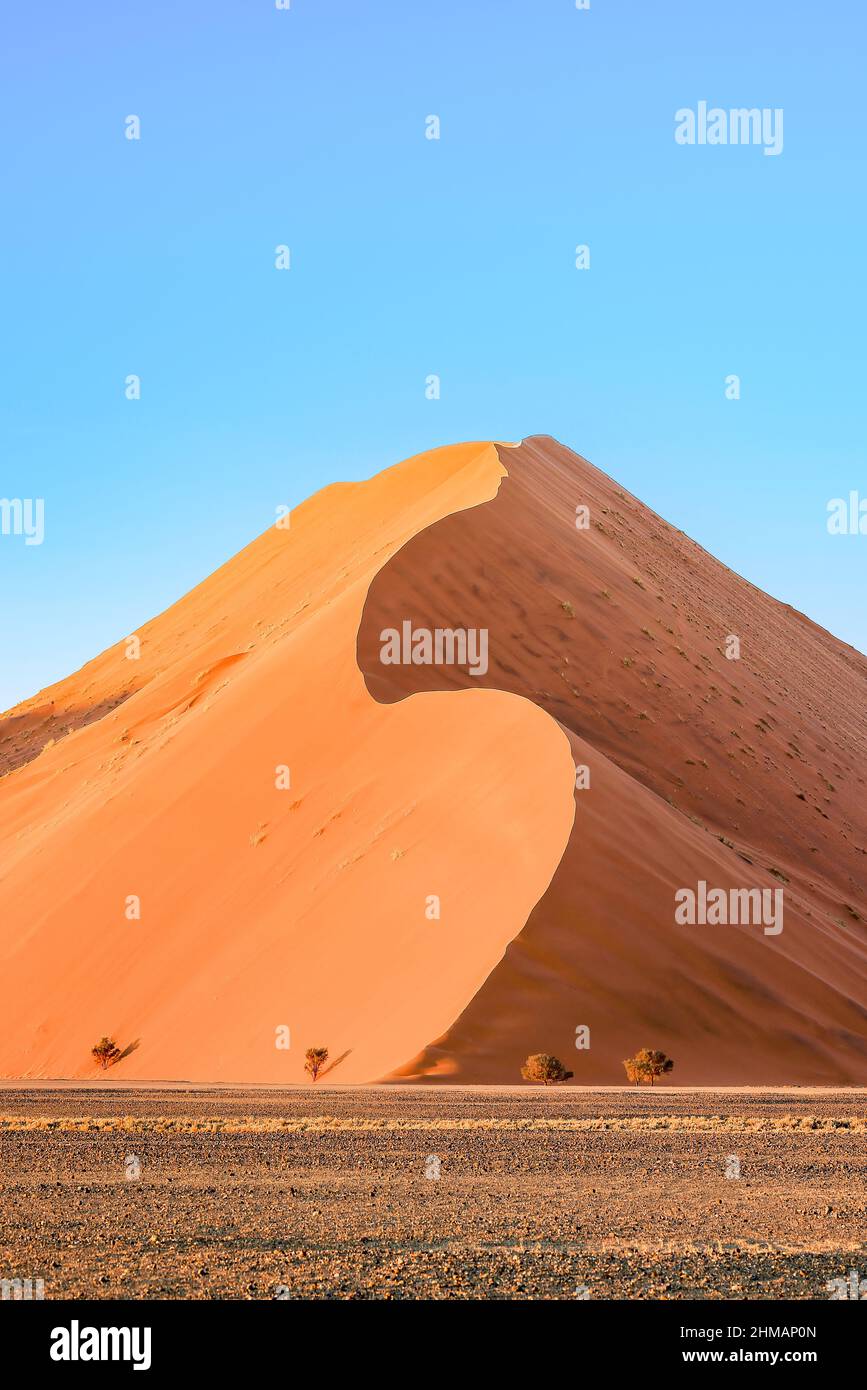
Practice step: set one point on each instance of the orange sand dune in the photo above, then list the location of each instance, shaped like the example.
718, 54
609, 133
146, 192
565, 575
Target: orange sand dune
743, 773
262, 907
309, 907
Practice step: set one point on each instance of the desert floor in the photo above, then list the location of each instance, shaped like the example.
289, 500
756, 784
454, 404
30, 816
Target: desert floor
322, 1193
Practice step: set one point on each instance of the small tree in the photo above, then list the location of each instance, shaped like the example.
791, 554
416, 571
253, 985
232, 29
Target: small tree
646, 1065
316, 1059
632, 1072
544, 1068
106, 1052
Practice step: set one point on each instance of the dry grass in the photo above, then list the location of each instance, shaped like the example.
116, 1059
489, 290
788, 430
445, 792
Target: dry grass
324, 1124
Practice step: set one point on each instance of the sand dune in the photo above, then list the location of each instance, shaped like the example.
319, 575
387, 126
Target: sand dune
303, 907
310, 907
744, 773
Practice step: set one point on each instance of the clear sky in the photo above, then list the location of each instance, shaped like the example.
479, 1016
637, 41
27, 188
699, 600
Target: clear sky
411, 256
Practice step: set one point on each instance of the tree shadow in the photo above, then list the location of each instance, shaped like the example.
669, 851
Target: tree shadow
335, 1063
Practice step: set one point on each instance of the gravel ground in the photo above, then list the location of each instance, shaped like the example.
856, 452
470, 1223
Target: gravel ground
333, 1211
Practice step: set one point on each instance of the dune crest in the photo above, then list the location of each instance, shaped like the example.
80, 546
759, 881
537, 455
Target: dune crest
154, 780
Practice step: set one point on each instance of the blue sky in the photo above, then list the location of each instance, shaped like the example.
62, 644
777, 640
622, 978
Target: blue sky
412, 256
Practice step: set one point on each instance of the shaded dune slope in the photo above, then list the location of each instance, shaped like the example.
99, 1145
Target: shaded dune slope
265, 907
745, 773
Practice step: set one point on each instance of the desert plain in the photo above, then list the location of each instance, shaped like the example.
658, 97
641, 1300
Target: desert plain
439, 1192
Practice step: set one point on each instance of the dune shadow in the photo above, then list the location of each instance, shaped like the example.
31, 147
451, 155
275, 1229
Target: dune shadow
23, 736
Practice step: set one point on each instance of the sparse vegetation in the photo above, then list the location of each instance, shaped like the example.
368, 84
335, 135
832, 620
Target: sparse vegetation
106, 1052
646, 1065
315, 1059
543, 1068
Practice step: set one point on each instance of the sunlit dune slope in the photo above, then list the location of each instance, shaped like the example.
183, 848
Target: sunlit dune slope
265, 908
